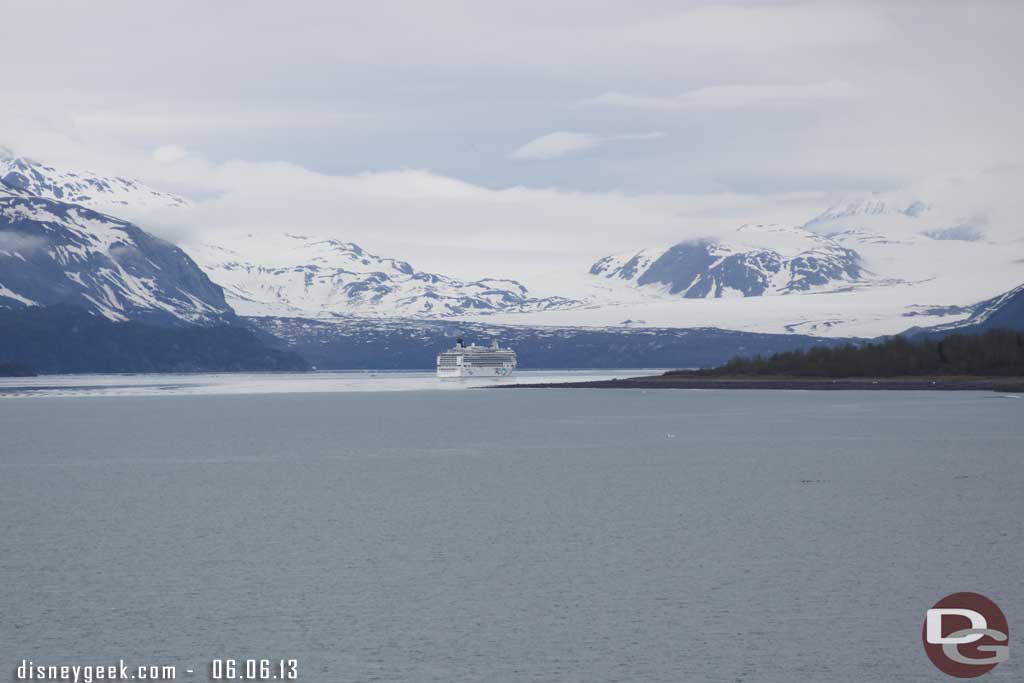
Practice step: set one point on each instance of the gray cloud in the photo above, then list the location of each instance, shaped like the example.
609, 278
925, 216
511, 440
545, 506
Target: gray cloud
266, 106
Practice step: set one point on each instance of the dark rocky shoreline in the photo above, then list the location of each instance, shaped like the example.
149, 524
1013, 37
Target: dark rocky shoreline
1008, 384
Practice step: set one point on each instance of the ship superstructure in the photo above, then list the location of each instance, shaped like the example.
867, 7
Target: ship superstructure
476, 361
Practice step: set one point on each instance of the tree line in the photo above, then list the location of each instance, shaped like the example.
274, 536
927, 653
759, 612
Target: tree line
993, 353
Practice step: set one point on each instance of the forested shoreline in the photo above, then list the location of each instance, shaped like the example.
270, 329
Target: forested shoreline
996, 353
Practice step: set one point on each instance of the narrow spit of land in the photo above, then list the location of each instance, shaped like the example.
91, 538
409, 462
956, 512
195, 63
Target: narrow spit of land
967, 383
992, 361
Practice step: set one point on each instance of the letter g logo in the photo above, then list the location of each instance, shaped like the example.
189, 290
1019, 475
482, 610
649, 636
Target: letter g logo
960, 633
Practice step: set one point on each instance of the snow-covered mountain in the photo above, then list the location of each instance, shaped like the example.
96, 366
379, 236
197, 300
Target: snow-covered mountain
56, 252
290, 275
1003, 311
866, 266
107, 194
756, 260
859, 207
896, 218
297, 275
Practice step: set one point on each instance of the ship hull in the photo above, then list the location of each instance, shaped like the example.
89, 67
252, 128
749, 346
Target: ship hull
469, 371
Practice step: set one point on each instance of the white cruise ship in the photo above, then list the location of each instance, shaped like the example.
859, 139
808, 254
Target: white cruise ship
476, 361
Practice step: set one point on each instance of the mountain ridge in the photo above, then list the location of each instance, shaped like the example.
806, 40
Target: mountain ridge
735, 265
58, 252
861, 267
104, 193
323, 277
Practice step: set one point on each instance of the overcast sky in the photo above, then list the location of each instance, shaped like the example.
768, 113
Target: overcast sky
575, 127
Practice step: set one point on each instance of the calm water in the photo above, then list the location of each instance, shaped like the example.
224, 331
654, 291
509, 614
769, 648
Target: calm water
524, 535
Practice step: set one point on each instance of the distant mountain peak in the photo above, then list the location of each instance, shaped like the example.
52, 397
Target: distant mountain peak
109, 194
756, 260
895, 219
868, 206
324, 277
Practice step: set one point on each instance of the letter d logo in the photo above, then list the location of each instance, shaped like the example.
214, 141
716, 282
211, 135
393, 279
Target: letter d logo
933, 626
